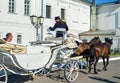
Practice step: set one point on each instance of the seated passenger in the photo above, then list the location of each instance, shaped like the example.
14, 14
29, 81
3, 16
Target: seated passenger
9, 37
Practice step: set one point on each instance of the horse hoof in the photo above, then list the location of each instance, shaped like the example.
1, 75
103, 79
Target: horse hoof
99, 70
95, 72
104, 69
89, 72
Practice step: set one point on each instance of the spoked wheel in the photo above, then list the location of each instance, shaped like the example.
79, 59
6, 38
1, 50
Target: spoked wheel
44, 71
71, 70
3, 74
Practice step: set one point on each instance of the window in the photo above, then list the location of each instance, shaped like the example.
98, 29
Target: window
48, 11
62, 13
26, 7
19, 39
11, 6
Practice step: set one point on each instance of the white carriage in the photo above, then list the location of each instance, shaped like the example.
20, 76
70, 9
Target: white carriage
36, 58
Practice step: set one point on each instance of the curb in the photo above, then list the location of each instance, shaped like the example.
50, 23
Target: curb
111, 59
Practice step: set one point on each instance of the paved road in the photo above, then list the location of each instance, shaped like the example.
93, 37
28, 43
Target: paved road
110, 76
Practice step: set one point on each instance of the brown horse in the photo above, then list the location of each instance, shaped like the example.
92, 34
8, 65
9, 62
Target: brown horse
100, 50
85, 46
83, 49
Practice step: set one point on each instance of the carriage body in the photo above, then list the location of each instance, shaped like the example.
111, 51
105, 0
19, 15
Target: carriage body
33, 58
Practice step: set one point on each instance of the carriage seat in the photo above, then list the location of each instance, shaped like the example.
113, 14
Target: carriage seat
13, 48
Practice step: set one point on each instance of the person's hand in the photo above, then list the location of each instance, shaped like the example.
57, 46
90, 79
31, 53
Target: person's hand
50, 27
48, 30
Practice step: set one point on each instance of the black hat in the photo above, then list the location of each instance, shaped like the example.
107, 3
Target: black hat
56, 18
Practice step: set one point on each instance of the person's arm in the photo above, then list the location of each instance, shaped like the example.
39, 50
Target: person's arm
54, 27
66, 27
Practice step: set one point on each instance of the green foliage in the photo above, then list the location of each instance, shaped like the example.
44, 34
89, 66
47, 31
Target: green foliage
115, 54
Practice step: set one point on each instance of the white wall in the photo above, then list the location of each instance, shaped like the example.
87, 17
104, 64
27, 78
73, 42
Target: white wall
77, 17
17, 23
109, 17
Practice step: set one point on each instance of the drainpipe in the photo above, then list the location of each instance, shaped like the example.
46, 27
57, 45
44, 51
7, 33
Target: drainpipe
93, 16
42, 24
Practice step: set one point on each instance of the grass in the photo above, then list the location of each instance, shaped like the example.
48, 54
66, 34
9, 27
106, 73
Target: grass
115, 54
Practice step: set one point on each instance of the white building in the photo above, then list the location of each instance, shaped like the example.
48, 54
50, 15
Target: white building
108, 17
15, 17
107, 24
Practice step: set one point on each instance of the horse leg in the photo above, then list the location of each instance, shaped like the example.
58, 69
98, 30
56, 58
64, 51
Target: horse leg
107, 62
91, 61
87, 61
104, 63
95, 64
90, 64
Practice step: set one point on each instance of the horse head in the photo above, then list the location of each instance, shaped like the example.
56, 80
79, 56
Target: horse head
108, 40
81, 48
85, 46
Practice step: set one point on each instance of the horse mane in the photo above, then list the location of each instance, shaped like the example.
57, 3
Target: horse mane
95, 40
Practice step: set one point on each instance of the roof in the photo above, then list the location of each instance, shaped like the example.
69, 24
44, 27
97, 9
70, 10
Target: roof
98, 33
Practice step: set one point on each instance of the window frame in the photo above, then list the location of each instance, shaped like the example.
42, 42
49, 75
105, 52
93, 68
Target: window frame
48, 11
12, 6
19, 39
63, 13
26, 7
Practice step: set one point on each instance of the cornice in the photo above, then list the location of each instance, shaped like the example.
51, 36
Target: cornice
15, 24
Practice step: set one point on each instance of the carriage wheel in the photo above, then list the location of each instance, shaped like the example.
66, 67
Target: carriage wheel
71, 71
44, 71
3, 74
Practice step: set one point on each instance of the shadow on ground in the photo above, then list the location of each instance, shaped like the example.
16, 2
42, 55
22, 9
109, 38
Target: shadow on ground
117, 77
57, 75
102, 79
18, 79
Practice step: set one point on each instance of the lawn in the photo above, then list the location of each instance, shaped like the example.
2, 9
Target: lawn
114, 54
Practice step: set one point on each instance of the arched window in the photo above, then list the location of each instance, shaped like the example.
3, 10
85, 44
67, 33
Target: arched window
19, 39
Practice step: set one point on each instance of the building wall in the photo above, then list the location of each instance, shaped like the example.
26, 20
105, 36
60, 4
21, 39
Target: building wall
16, 23
77, 16
108, 17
